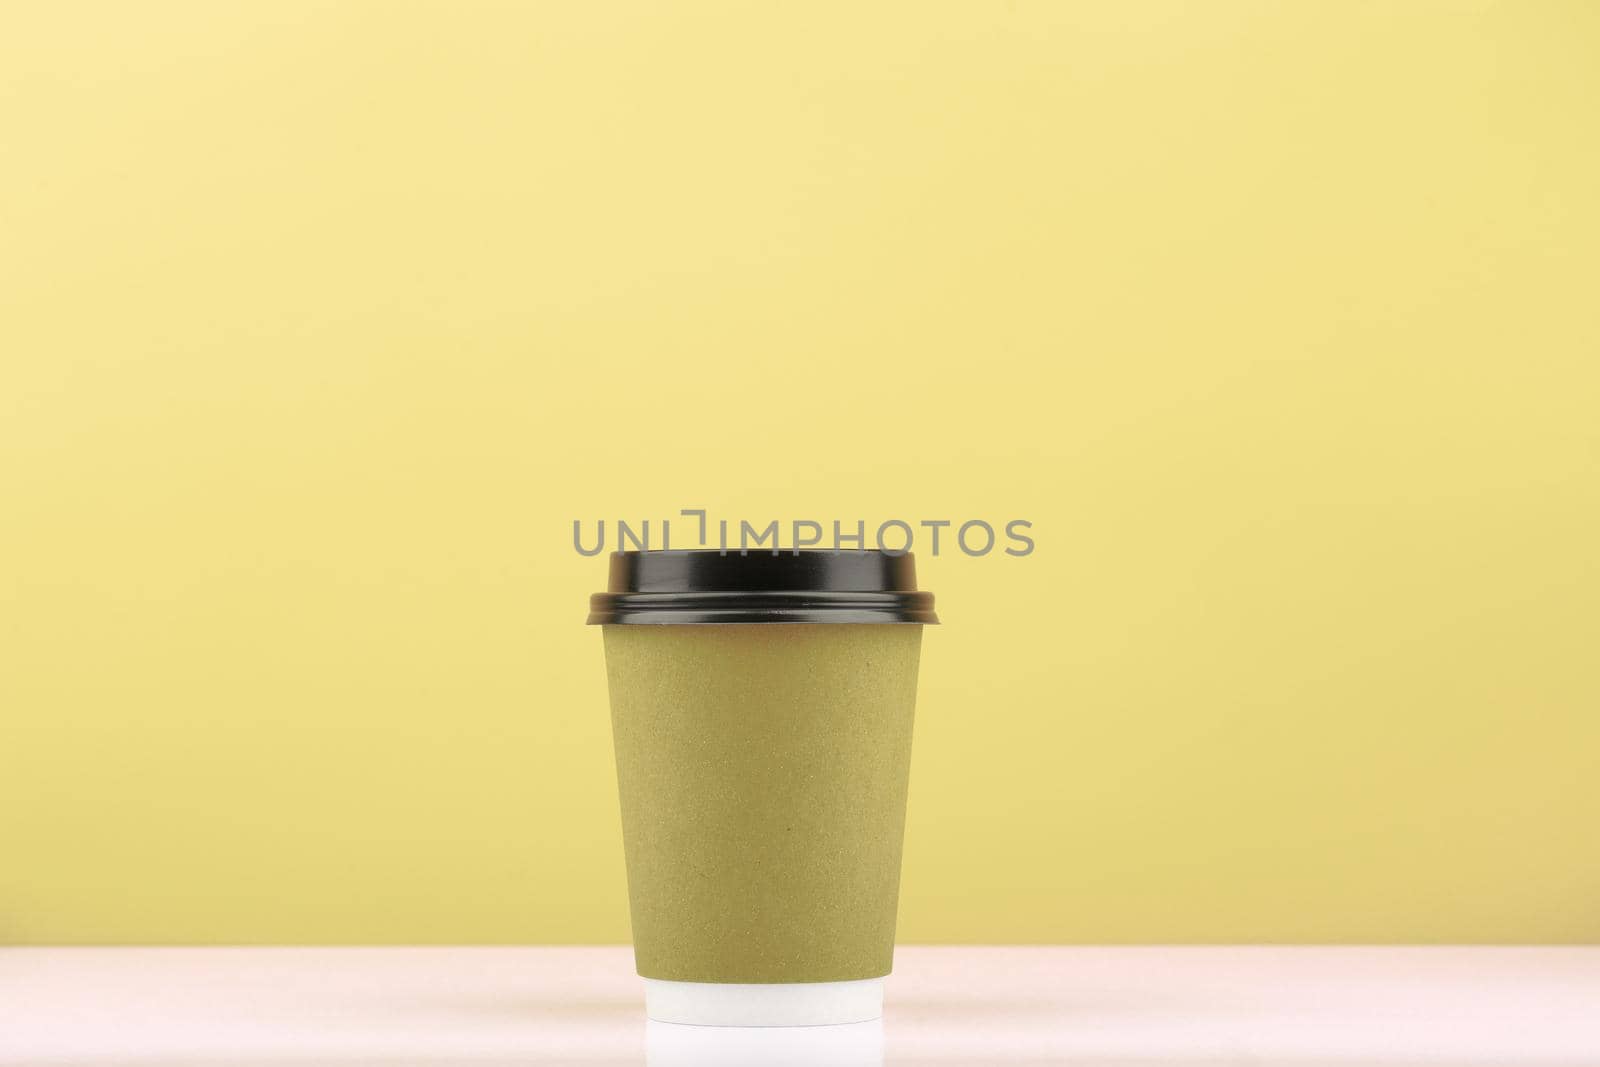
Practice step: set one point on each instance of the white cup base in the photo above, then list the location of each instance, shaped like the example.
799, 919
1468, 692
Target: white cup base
764, 1004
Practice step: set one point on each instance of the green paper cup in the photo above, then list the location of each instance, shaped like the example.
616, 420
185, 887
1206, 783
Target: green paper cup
761, 707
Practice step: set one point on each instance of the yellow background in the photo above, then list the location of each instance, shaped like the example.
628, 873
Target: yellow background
320, 323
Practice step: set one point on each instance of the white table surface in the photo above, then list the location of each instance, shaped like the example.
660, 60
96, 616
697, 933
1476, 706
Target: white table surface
264, 1007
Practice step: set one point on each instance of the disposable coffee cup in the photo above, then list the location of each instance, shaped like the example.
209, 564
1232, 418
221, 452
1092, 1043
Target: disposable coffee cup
761, 707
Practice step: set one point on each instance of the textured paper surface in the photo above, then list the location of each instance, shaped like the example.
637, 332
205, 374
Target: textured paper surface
763, 774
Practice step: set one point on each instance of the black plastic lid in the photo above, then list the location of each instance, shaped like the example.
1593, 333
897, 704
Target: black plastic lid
708, 586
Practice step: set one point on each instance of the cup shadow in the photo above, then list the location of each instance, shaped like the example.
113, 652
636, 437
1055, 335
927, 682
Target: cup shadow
850, 1045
